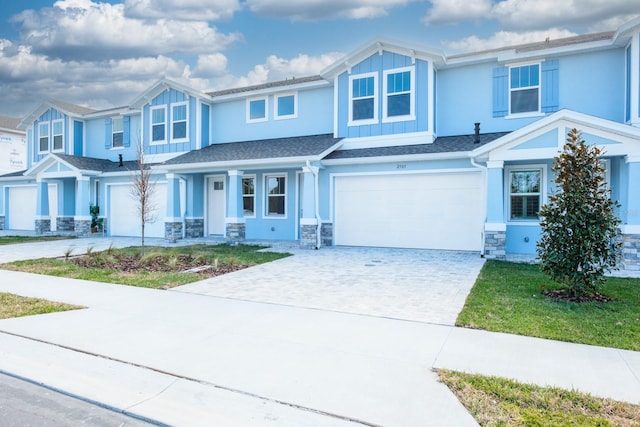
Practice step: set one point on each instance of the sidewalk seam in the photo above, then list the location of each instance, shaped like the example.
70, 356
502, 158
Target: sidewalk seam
186, 378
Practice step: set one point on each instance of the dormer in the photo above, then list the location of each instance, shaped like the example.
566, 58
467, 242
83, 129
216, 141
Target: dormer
55, 127
174, 119
386, 88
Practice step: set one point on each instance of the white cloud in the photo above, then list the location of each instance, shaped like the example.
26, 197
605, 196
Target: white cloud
504, 38
538, 14
189, 10
451, 11
211, 65
83, 29
316, 10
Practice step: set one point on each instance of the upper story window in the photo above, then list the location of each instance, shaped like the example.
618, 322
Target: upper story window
525, 193
58, 135
286, 106
43, 137
363, 102
257, 110
276, 195
179, 120
249, 196
117, 132
398, 98
158, 125
524, 89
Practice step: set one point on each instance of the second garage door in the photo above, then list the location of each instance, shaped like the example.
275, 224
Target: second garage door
430, 211
123, 215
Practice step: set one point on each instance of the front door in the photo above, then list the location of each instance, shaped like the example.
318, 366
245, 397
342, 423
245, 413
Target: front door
216, 205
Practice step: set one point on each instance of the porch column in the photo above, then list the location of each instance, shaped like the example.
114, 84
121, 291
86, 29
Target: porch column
234, 222
82, 218
308, 220
495, 227
631, 229
43, 220
173, 218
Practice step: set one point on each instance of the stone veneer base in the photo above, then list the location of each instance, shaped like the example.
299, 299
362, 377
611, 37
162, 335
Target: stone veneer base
631, 251
172, 231
194, 227
235, 232
495, 245
1, 223
43, 226
65, 223
82, 227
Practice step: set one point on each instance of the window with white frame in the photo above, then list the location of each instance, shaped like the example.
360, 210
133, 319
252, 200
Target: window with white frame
117, 132
398, 94
525, 193
58, 135
276, 195
179, 121
286, 106
363, 103
43, 137
158, 125
249, 196
524, 89
257, 110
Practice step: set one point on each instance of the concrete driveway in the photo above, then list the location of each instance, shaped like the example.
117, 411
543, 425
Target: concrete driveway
420, 285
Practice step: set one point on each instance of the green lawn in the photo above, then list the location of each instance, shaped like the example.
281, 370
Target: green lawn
16, 306
111, 266
10, 240
507, 297
501, 402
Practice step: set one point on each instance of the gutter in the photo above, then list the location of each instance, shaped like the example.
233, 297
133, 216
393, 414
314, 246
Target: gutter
484, 169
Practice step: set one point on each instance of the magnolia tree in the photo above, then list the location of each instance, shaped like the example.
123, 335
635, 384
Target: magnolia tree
142, 192
579, 240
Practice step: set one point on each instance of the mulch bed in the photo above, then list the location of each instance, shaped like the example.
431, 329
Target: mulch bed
563, 295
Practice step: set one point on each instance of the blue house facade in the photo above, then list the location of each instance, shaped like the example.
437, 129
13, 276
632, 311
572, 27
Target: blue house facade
395, 145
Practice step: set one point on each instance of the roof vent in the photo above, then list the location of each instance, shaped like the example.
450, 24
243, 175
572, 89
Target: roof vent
120, 159
476, 136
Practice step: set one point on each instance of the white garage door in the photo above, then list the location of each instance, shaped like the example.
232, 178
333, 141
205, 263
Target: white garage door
123, 212
431, 211
22, 208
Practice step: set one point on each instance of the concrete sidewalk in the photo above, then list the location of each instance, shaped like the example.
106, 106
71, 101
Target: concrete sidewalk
185, 359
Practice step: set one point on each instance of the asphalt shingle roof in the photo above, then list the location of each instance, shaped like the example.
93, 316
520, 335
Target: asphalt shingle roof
299, 146
270, 85
9, 123
100, 165
443, 144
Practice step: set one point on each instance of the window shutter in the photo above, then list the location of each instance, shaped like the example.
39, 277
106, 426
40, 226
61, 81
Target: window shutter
107, 134
126, 127
500, 91
550, 96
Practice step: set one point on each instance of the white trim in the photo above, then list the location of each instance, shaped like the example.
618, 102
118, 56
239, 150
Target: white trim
495, 226
526, 115
186, 121
255, 195
335, 107
412, 95
413, 138
265, 99
632, 158
297, 206
630, 229
48, 124
265, 194
374, 120
172, 219
151, 124
495, 164
82, 218
208, 179
42, 217
308, 221
507, 191
405, 158
532, 113
235, 172
276, 115
257, 93
234, 220
120, 147
431, 96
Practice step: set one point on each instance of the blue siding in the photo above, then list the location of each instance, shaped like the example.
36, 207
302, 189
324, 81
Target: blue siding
204, 131
378, 64
500, 91
627, 93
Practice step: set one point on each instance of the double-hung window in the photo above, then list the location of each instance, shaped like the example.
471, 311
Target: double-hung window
257, 110
524, 89
398, 98
249, 196
525, 193
363, 102
58, 135
276, 195
117, 132
158, 125
43, 137
286, 106
179, 121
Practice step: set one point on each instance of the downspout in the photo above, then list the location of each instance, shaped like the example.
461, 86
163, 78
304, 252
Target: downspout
484, 169
316, 172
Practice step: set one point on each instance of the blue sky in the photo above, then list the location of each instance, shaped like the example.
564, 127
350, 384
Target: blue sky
103, 53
